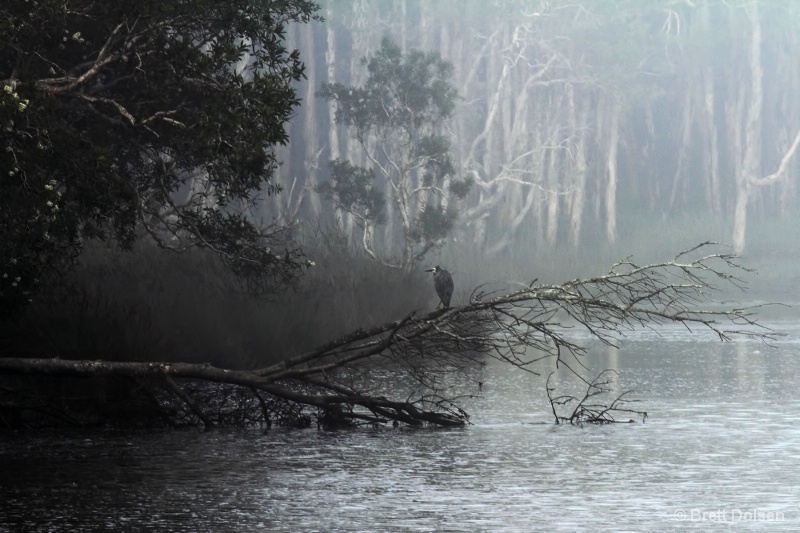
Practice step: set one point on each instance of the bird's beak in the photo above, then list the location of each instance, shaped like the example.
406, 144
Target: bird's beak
429, 270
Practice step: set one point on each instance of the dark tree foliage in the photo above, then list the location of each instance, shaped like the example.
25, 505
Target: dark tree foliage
119, 119
353, 188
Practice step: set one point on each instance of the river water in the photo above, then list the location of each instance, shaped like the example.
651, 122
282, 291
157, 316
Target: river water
719, 451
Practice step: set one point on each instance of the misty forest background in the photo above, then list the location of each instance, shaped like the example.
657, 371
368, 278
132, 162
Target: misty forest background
592, 130
585, 125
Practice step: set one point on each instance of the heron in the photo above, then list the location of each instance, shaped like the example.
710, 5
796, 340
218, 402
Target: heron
443, 282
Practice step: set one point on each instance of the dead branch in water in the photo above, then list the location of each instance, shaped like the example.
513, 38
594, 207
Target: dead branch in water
422, 353
586, 412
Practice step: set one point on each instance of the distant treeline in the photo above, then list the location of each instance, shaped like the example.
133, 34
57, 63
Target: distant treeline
574, 117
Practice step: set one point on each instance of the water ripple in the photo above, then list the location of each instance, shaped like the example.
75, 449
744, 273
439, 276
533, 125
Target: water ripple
722, 441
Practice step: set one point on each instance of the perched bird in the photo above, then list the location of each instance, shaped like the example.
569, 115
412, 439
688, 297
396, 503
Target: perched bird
443, 282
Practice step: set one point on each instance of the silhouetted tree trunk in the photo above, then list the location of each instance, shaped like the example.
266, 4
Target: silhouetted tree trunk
752, 123
611, 172
577, 195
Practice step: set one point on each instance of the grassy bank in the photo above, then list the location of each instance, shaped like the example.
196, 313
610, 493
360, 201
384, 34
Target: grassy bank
153, 305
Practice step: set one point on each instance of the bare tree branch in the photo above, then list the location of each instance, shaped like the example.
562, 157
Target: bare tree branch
525, 328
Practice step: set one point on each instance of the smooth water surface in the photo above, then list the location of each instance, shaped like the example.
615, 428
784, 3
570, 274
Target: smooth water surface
719, 451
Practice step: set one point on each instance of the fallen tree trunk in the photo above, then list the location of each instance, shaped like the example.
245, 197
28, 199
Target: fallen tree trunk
383, 408
520, 327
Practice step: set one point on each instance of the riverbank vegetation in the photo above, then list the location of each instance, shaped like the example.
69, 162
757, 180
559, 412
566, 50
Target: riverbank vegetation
149, 304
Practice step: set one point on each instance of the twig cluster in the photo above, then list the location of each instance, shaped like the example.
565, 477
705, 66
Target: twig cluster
586, 410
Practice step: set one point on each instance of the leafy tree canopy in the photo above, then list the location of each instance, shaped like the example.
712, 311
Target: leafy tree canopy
397, 116
122, 116
353, 188
401, 91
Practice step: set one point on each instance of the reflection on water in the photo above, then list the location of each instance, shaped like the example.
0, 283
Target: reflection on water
722, 443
